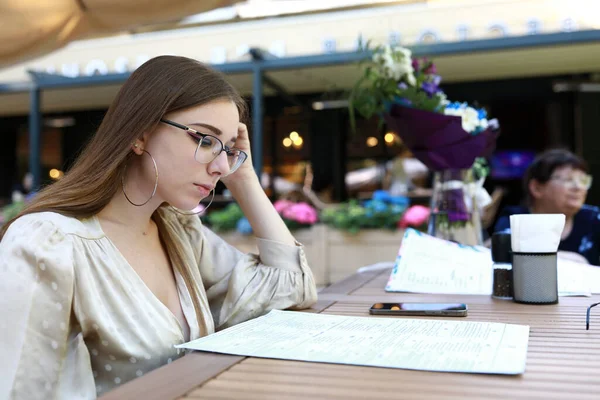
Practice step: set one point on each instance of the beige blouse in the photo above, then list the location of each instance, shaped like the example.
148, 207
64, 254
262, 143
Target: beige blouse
77, 321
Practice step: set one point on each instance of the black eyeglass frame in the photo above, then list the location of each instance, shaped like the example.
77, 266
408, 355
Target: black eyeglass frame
194, 133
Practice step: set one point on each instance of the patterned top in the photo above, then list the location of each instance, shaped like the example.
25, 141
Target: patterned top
77, 320
583, 239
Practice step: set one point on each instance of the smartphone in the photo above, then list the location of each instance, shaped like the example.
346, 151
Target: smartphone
417, 309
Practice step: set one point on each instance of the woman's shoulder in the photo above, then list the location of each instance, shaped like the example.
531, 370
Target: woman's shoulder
40, 239
503, 220
48, 221
589, 211
588, 215
38, 246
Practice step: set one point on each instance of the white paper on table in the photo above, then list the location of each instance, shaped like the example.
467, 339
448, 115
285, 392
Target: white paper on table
426, 264
577, 279
592, 275
420, 344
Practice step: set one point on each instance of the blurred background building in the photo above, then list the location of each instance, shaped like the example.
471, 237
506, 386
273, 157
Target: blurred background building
532, 63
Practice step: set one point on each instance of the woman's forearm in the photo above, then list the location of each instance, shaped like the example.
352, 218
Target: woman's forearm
265, 221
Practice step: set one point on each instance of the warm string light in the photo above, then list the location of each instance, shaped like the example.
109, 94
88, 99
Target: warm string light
55, 174
389, 138
294, 139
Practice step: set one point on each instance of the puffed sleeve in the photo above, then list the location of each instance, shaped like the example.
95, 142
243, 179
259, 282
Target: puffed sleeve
36, 278
243, 286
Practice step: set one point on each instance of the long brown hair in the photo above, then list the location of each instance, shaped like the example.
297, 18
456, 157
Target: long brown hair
161, 85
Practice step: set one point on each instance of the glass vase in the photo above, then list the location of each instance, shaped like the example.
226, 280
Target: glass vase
455, 214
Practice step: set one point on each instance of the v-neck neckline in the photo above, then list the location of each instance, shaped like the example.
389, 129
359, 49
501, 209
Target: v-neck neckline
182, 289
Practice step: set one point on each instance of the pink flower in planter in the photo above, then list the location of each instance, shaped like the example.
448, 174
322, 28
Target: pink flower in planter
281, 205
301, 212
415, 216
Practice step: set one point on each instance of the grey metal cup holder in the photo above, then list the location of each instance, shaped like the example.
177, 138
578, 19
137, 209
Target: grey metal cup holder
535, 278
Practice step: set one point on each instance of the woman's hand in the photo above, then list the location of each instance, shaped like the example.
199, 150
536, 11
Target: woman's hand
246, 171
249, 194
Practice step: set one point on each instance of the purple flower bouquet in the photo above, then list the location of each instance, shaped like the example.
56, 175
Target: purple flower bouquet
437, 140
448, 137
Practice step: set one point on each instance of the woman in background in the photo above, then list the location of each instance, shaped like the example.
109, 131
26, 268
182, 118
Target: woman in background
557, 182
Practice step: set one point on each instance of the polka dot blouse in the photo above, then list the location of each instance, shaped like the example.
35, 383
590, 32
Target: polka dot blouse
78, 321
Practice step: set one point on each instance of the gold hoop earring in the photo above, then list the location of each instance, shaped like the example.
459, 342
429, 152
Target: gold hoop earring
155, 181
178, 211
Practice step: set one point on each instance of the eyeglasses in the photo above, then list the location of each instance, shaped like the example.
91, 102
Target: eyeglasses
209, 148
587, 316
580, 181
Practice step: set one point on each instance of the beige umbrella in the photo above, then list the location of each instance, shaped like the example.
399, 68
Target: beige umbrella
30, 28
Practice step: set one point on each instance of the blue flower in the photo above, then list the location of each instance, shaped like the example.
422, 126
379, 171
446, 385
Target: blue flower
244, 227
482, 114
377, 206
386, 197
455, 105
381, 195
399, 201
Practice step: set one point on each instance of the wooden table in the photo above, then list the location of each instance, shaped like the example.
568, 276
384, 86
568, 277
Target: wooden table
563, 359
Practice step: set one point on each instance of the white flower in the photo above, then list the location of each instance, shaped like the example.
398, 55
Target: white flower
395, 63
403, 69
406, 53
469, 117
472, 113
388, 61
458, 112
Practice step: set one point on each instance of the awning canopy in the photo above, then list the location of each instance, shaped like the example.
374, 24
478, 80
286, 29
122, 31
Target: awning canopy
29, 28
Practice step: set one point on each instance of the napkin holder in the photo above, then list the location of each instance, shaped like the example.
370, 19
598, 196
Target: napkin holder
535, 278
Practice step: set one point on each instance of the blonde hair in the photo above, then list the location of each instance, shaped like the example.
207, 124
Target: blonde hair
161, 85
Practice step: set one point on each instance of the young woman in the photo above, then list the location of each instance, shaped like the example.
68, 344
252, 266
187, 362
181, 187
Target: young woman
557, 182
105, 271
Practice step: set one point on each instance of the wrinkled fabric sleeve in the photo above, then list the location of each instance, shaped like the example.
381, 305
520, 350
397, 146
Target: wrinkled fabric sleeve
36, 278
242, 286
